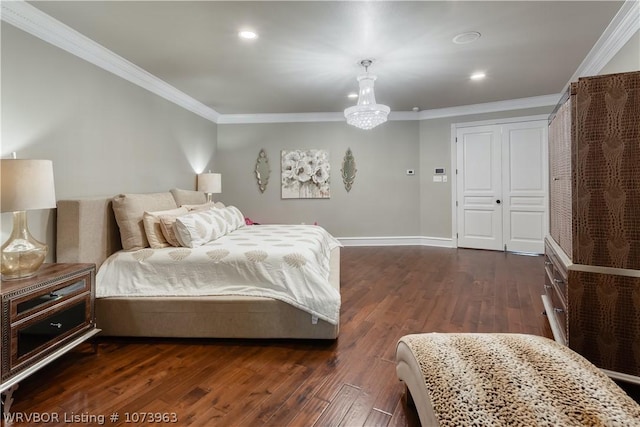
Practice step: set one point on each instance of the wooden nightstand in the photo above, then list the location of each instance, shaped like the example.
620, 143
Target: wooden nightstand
43, 317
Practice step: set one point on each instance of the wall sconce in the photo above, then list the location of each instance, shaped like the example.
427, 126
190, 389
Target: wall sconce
26, 185
210, 183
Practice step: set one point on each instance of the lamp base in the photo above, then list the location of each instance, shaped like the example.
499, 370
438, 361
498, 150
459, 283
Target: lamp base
209, 197
22, 254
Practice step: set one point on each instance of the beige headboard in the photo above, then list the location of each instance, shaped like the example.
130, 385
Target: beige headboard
86, 231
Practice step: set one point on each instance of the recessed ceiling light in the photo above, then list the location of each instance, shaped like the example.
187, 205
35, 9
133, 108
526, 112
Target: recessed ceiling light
478, 76
468, 37
249, 35
352, 95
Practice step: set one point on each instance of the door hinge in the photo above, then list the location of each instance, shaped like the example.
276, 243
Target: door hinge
505, 247
456, 235
456, 171
456, 203
456, 139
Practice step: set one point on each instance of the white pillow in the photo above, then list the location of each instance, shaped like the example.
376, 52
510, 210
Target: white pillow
200, 227
234, 217
152, 227
208, 205
200, 207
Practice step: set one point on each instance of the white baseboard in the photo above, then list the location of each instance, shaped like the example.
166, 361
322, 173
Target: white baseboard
442, 242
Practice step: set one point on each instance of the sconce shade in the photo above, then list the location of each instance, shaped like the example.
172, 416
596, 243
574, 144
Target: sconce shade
210, 182
27, 185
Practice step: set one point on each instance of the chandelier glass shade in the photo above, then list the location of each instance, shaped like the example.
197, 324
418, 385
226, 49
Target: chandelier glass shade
366, 114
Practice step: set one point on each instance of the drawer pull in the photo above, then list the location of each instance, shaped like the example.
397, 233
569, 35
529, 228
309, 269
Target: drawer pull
558, 281
558, 310
56, 325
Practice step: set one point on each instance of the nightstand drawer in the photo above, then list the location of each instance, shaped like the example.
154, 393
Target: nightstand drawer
37, 302
34, 336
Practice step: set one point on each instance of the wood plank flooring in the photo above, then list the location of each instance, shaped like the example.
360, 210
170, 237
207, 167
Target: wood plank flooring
387, 292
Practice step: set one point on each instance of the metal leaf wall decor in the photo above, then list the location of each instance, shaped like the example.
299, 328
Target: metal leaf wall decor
262, 170
348, 170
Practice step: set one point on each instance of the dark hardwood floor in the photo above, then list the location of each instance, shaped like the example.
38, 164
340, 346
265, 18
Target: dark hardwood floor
387, 292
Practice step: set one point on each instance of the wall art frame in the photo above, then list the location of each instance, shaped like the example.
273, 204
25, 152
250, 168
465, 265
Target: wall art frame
305, 174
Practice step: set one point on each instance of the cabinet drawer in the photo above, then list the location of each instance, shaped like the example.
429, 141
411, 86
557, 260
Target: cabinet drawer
46, 331
36, 302
555, 279
559, 307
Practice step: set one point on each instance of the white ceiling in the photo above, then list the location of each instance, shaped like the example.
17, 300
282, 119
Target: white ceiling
307, 54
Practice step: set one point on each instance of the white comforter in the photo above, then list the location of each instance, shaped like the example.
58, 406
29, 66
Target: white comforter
289, 263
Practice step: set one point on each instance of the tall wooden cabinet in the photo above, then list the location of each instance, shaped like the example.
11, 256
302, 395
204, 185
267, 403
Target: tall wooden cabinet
592, 286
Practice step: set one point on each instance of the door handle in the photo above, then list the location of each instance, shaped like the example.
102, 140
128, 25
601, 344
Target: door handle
498, 201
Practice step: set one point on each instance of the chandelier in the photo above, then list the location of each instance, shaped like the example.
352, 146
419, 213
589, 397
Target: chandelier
367, 114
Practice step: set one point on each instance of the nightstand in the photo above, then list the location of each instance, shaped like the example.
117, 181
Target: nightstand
44, 317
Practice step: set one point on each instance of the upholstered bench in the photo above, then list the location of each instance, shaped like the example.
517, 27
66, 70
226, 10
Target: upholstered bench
507, 380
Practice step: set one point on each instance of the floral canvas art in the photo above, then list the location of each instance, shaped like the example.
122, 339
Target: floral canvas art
305, 174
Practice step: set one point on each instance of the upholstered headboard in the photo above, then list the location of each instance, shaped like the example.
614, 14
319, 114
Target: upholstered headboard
86, 231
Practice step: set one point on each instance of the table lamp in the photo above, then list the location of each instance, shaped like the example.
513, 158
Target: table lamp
26, 185
210, 183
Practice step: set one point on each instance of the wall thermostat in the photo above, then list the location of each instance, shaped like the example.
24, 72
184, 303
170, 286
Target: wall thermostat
440, 171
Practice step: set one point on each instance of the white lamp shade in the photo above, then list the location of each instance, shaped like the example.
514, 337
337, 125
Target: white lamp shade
27, 185
210, 182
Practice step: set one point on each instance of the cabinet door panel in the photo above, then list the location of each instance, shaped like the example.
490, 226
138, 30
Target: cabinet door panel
607, 171
560, 179
604, 320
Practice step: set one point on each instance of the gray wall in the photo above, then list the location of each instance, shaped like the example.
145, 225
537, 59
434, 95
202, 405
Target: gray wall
382, 202
104, 134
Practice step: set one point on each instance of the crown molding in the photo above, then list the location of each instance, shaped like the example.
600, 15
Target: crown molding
463, 110
491, 107
302, 117
280, 118
621, 28
32, 20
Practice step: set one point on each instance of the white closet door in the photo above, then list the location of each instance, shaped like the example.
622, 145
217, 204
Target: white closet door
479, 187
524, 172
502, 186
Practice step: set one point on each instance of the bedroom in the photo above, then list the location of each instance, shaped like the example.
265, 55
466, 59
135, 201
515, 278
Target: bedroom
106, 135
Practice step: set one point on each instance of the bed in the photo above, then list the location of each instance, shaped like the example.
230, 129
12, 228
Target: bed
87, 231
